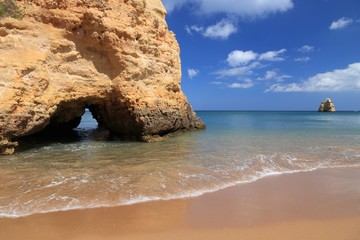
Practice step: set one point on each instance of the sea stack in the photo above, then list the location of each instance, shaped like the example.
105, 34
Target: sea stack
116, 58
327, 106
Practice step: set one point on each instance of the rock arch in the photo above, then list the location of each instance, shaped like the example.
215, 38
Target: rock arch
116, 58
68, 115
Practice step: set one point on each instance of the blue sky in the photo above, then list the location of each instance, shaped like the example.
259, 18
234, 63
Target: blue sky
268, 54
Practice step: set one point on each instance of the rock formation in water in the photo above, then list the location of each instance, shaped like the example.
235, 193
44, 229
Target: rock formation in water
115, 57
327, 106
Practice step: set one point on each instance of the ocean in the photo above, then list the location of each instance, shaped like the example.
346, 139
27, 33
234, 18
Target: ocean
236, 148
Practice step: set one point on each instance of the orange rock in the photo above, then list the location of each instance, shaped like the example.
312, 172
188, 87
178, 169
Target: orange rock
327, 106
116, 58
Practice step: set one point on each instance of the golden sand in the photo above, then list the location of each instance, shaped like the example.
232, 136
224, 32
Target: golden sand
319, 205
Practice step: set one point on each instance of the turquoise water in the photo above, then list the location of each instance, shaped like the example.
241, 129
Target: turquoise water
236, 148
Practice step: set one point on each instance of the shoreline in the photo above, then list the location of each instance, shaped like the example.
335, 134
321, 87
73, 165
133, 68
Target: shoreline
174, 198
287, 203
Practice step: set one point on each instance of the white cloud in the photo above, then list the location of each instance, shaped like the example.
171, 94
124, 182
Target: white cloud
302, 59
234, 9
241, 85
306, 49
341, 23
243, 63
238, 71
195, 28
193, 73
270, 75
281, 78
171, 5
220, 30
273, 75
238, 58
243, 8
347, 79
273, 56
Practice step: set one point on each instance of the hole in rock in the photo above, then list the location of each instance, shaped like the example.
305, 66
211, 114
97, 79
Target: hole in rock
88, 122
68, 125
76, 124
89, 129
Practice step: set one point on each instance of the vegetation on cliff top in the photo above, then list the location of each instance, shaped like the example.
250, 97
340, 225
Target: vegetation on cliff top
9, 8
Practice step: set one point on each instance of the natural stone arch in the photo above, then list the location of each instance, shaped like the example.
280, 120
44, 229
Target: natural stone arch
117, 58
68, 115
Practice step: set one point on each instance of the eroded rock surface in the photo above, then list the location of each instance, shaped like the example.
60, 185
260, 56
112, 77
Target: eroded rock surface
115, 57
327, 106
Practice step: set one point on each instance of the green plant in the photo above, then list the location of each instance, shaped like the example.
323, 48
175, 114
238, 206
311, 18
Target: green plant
9, 8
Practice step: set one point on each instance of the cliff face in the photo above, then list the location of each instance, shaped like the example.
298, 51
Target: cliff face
327, 106
116, 58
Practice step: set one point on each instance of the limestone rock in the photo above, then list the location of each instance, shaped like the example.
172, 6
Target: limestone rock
116, 58
327, 106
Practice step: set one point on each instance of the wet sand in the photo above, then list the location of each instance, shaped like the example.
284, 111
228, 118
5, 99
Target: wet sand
323, 204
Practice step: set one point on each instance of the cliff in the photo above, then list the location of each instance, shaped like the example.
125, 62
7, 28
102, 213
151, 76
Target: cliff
116, 58
327, 106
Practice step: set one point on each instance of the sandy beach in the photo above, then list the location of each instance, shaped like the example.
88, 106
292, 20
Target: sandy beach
179, 120
323, 204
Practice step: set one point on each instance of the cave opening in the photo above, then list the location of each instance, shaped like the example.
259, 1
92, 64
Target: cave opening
76, 123
72, 122
89, 128
87, 122
82, 120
